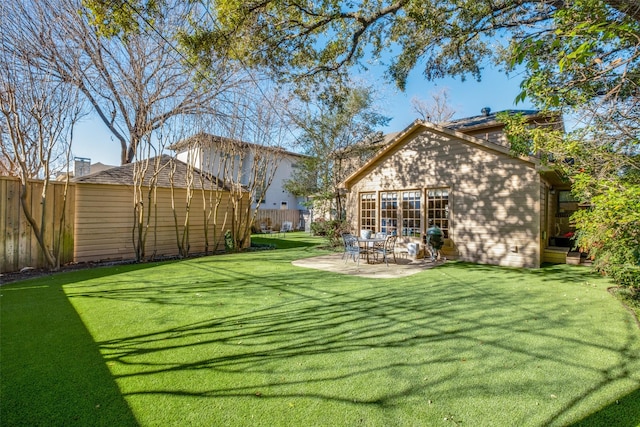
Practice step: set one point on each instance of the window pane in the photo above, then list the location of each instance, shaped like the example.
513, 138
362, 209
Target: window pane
411, 213
388, 212
438, 209
368, 211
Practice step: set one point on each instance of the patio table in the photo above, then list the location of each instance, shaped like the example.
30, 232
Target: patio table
367, 245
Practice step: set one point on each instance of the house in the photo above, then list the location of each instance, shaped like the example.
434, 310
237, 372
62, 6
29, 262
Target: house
492, 207
260, 169
82, 167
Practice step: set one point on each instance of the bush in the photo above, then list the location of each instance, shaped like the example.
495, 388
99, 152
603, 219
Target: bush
229, 245
621, 264
610, 228
332, 230
625, 275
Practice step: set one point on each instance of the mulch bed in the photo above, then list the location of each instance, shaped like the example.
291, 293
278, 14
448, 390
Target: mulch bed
31, 273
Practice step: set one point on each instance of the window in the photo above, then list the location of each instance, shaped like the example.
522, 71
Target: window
567, 204
368, 211
284, 205
411, 213
565, 196
402, 212
261, 194
389, 212
438, 210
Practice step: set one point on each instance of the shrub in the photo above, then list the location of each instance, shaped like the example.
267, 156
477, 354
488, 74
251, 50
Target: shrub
332, 230
625, 275
229, 245
610, 228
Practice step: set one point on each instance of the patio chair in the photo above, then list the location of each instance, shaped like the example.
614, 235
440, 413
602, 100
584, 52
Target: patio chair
351, 248
265, 229
285, 228
345, 236
386, 249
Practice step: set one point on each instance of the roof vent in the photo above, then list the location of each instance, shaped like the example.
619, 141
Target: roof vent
485, 111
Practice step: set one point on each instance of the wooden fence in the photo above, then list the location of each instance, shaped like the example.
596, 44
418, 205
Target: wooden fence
18, 246
275, 217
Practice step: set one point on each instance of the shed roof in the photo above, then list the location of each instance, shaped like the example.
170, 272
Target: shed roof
168, 169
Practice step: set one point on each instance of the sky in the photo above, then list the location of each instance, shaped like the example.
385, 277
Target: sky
496, 91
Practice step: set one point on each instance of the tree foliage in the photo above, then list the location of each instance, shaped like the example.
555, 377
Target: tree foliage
338, 135
587, 65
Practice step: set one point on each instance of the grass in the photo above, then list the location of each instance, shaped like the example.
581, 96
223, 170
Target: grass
249, 339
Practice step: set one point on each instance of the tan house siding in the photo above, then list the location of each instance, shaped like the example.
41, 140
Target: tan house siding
104, 222
494, 198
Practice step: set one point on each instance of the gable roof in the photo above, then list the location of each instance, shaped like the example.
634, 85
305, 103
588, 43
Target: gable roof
421, 126
124, 175
208, 139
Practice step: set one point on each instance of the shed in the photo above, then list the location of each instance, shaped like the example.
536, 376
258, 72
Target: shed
107, 205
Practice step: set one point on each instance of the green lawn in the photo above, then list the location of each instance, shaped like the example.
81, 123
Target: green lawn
249, 339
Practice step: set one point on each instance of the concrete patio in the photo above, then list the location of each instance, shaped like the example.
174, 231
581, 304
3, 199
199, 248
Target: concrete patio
334, 263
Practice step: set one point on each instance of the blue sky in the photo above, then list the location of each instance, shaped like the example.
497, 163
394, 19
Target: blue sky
496, 91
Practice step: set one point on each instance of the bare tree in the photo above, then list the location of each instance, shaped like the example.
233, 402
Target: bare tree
436, 110
38, 116
135, 83
242, 153
338, 133
145, 201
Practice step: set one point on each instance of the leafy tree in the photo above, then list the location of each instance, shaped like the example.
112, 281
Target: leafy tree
338, 135
589, 68
446, 37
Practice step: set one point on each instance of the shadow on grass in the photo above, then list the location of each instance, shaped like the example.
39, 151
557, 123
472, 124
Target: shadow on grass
551, 272
246, 330
52, 371
624, 412
271, 334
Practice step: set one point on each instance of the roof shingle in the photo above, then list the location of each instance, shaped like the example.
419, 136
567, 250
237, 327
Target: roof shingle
163, 169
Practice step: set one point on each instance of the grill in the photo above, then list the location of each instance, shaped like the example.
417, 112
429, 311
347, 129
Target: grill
434, 239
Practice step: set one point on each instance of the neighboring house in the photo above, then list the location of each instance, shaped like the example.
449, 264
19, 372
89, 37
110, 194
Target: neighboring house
82, 167
492, 207
241, 162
